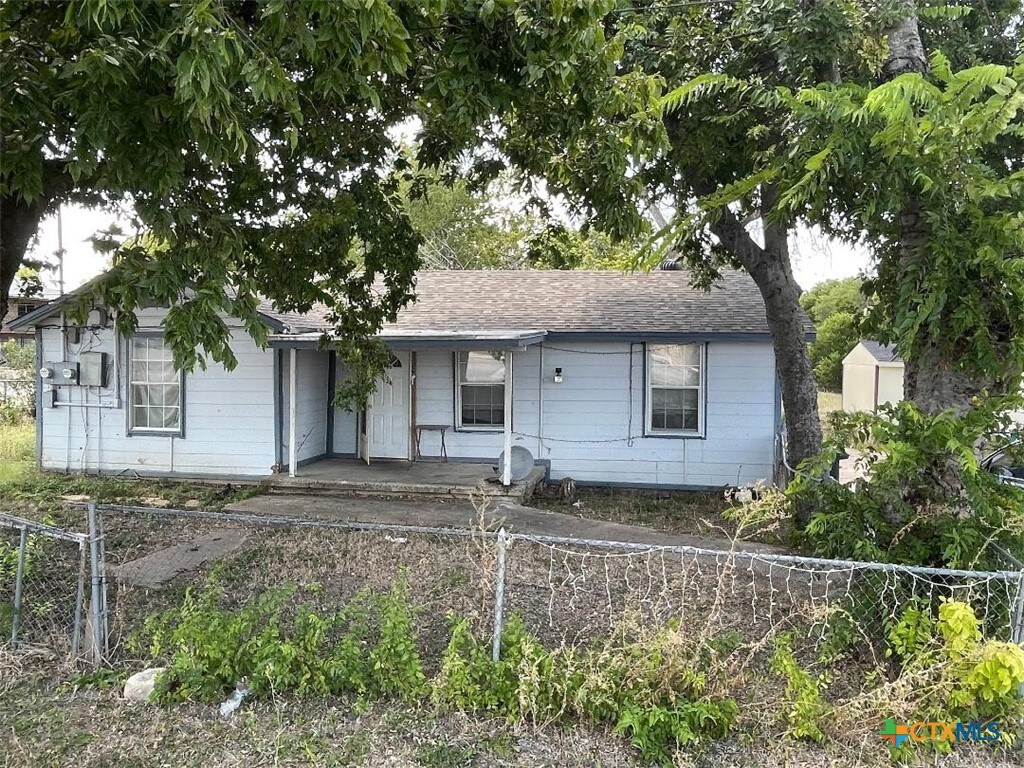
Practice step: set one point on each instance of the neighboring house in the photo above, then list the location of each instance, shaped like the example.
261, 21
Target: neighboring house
19, 306
872, 376
609, 378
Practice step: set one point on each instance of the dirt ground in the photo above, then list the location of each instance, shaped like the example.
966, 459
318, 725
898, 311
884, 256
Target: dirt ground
44, 724
678, 512
54, 715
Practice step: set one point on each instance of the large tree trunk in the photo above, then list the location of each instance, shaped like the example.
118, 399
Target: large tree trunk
931, 380
771, 269
19, 222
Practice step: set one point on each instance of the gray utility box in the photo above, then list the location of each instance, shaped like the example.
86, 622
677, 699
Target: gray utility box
93, 369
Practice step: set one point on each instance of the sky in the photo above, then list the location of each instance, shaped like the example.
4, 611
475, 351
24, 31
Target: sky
815, 258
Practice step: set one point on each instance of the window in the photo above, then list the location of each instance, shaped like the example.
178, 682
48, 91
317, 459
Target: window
24, 309
480, 390
675, 388
154, 388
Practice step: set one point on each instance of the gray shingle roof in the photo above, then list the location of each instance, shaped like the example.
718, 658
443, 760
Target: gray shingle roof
883, 353
587, 302
314, 320
557, 301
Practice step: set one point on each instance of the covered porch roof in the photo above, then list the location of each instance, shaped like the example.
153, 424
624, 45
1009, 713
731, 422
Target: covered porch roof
403, 338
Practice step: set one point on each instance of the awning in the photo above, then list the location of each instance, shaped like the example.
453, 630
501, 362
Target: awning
423, 339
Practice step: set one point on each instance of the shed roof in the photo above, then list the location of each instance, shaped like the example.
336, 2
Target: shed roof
883, 353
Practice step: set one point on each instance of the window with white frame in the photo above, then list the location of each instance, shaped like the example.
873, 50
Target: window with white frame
675, 383
480, 390
154, 387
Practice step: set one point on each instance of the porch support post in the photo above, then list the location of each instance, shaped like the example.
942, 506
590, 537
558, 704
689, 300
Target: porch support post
292, 400
506, 466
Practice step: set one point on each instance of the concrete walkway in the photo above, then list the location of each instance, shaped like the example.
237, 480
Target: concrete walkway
157, 568
462, 514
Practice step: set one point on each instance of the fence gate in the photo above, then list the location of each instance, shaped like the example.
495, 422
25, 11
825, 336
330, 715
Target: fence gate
43, 578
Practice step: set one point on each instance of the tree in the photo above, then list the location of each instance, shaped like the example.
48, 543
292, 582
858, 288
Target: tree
255, 144
837, 335
912, 163
463, 229
836, 307
928, 168
831, 296
872, 206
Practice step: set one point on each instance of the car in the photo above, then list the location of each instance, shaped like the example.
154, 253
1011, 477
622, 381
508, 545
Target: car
1007, 464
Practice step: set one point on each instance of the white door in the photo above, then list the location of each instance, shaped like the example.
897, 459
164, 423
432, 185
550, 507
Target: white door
388, 412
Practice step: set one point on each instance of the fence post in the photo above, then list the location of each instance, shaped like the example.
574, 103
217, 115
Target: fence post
76, 632
499, 597
18, 581
104, 613
96, 594
1017, 622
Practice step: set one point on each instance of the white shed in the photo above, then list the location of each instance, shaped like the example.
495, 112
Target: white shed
872, 376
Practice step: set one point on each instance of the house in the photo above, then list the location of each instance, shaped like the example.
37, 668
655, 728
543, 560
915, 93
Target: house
872, 376
19, 306
608, 378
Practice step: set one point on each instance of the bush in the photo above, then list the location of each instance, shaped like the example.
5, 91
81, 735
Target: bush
279, 644
21, 358
956, 673
926, 501
651, 690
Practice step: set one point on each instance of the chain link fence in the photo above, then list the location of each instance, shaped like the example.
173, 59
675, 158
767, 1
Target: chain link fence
89, 594
43, 580
566, 590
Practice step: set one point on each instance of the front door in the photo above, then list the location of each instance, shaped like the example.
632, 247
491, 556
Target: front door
386, 422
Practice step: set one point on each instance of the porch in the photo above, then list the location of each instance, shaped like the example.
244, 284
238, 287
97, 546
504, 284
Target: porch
451, 479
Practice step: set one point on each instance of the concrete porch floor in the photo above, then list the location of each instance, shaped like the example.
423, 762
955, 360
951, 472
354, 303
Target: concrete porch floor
402, 478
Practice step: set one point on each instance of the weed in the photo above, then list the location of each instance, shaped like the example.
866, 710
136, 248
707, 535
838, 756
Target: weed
445, 756
805, 708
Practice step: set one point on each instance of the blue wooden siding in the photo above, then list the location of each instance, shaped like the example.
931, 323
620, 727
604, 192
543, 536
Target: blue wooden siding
591, 426
345, 423
229, 416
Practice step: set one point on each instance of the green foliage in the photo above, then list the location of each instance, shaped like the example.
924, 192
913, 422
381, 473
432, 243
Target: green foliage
20, 357
833, 296
651, 691
836, 307
928, 502
12, 414
471, 681
910, 637
279, 644
394, 661
974, 678
557, 247
806, 709
837, 335
466, 229
916, 166
258, 147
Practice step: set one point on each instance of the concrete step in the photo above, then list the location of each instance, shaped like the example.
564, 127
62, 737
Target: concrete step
438, 489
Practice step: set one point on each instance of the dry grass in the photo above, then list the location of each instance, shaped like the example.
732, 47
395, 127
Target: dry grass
561, 596
681, 512
43, 725
828, 402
